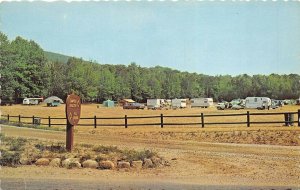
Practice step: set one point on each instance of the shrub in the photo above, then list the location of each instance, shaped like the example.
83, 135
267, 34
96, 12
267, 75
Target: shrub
9, 158
15, 144
133, 155
86, 145
106, 149
58, 148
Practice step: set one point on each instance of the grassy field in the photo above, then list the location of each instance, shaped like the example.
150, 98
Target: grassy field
256, 155
91, 110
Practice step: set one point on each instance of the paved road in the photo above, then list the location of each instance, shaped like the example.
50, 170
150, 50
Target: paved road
50, 184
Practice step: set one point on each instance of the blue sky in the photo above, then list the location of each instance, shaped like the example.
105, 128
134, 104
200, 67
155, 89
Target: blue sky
204, 37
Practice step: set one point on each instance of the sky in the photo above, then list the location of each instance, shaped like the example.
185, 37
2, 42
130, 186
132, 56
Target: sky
214, 38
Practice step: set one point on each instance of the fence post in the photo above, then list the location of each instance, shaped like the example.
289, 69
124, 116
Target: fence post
95, 122
33, 119
248, 119
7, 117
299, 118
19, 118
125, 121
49, 121
202, 120
161, 121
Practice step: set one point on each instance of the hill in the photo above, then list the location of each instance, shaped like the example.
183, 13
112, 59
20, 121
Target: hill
56, 57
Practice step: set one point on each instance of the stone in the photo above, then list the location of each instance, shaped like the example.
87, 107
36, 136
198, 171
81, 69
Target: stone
148, 163
137, 164
106, 165
56, 162
90, 164
24, 161
123, 164
156, 161
71, 163
42, 162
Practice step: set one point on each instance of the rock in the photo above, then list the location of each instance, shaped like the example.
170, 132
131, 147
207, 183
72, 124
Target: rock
90, 164
106, 165
137, 164
65, 163
156, 161
147, 163
24, 161
71, 163
42, 162
123, 164
56, 162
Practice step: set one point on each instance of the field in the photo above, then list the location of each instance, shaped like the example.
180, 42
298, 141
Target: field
260, 155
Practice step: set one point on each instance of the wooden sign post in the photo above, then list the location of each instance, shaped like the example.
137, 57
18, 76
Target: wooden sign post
73, 108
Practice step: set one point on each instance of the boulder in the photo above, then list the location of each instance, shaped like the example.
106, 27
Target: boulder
106, 165
123, 164
42, 162
24, 160
56, 162
156, 161
148, 163
71, 163
137, 164
90, 164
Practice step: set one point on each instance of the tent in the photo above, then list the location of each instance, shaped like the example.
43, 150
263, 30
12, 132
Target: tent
52, 98
108, 103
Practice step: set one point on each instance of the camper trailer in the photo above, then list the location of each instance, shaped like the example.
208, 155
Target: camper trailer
32, 101
202, 102
178, 103
155, 103
258, 102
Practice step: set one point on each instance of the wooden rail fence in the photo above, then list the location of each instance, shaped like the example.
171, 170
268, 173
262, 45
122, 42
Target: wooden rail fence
288, 119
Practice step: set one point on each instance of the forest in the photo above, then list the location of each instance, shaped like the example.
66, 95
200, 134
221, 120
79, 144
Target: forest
27, 71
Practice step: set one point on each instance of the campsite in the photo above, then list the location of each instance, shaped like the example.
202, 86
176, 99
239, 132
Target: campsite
191, 151
157, 95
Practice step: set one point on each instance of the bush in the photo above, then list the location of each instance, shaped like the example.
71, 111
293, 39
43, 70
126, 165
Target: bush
133, 155
17, 144
58, 148
106, 149
9, 158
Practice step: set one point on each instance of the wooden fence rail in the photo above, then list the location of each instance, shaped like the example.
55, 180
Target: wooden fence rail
288, 119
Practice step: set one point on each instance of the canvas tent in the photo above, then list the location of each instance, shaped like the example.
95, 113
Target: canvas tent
53, 98
108, 103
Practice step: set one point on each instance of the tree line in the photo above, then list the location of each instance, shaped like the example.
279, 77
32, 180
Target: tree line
26, 72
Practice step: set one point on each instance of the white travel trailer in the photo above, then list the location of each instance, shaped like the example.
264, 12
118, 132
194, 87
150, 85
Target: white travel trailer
258, 102
32, 101
202, 102
178, 103
154, 103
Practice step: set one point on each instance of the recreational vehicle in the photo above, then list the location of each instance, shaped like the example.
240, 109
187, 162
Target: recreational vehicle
202, 102
258, 102
155, 103
178, 103
32, 101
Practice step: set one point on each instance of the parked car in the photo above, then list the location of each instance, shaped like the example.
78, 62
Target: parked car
133, 106
222, 105
237, 107
53, 103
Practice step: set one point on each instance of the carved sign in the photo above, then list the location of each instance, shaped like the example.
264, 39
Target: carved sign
73, 108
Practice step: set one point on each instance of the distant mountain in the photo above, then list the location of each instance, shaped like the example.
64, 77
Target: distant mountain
56, 57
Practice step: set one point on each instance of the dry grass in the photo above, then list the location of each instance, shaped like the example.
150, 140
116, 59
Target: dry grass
90, 110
